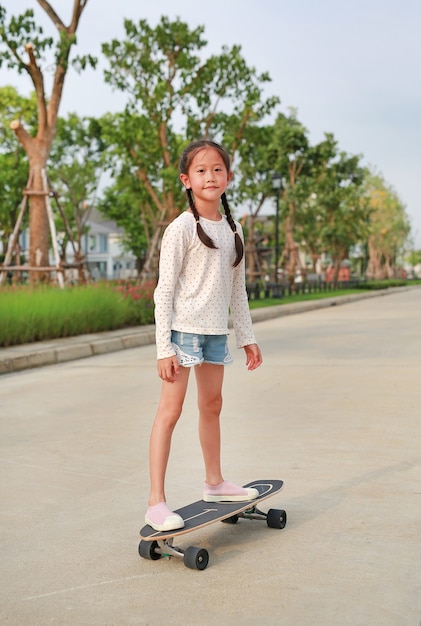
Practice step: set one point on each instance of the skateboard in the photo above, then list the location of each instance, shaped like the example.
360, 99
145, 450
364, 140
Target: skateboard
155, 543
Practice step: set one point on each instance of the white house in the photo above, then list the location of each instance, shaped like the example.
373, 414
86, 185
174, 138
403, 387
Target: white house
106, 257
104, 253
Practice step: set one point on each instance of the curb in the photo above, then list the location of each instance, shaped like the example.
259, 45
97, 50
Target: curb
29, 356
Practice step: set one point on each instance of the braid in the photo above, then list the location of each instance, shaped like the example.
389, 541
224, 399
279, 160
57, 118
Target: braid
204, 238
239, 248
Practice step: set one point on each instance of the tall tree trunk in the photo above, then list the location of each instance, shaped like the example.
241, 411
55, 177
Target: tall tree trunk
337, 267
152, 257
250, 250
39, 243
374, 268
291, 251
38, 148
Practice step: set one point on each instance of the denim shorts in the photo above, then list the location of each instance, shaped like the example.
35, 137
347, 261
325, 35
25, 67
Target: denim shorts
192, 349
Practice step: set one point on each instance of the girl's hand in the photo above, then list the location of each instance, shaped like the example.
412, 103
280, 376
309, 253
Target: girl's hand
168, 369
253, 356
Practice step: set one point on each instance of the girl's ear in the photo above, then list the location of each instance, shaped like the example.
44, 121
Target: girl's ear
185, 180
229, 177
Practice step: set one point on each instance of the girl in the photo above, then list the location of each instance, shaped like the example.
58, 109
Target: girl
201, 277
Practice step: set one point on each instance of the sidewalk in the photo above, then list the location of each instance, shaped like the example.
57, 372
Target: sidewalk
334, 412
27, 356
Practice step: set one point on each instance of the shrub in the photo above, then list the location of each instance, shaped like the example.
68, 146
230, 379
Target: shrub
382, 284
28, 315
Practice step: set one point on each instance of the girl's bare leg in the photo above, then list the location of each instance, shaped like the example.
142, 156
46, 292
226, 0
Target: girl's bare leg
209, 379
168, 413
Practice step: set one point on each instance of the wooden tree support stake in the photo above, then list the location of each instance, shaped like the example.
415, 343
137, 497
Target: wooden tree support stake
60, 273
15, 236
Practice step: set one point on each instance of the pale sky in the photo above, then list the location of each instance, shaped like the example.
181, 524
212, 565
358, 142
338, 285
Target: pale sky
349, 67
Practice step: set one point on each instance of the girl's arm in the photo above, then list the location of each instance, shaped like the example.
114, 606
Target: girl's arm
239, 306
170, 264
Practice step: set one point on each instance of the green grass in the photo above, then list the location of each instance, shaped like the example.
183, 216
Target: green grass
369, 285
28, 315
301, 297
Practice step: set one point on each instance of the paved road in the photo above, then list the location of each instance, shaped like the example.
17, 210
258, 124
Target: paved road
334, 411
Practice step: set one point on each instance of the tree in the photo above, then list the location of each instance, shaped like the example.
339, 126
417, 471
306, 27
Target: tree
13, 162
253, 189
389, 228
23, 46
342, 204
309, 223
322, 202
127, 203
288, 152
414, 257
173, 97
76, 160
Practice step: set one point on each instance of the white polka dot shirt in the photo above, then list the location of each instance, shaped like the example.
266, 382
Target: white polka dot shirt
198, 286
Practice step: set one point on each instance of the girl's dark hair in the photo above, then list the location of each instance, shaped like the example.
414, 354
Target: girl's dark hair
185, 161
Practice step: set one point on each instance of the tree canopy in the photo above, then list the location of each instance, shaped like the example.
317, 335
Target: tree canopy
329, 203
173, 96
388, 227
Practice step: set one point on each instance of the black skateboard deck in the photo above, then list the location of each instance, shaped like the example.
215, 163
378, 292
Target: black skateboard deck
156, 543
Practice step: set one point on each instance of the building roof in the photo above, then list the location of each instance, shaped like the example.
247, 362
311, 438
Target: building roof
100, 224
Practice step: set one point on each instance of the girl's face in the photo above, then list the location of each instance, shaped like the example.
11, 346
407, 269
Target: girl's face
208, 176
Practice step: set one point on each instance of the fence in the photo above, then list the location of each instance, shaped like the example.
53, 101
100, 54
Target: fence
257, 291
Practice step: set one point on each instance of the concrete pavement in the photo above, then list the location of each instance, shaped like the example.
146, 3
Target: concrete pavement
334, 411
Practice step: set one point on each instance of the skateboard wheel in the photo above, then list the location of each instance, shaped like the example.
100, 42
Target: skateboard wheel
196, 558
147, 550
231, 520
276, 518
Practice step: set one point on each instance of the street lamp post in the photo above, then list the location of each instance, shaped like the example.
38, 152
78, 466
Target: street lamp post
276, 186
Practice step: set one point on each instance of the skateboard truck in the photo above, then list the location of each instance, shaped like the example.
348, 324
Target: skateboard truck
275, 518
194, 558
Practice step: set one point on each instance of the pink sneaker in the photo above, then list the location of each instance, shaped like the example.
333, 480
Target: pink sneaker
160, 517
228, 492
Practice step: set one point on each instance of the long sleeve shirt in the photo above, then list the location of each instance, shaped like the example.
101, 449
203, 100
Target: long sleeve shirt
198, 286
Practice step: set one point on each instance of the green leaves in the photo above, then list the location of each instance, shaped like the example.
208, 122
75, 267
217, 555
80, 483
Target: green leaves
76, 165
16, 34
13, 161
388, 224
154, 66
162, 72
174, 95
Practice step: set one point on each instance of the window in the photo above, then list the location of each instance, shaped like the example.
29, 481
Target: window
103, 243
